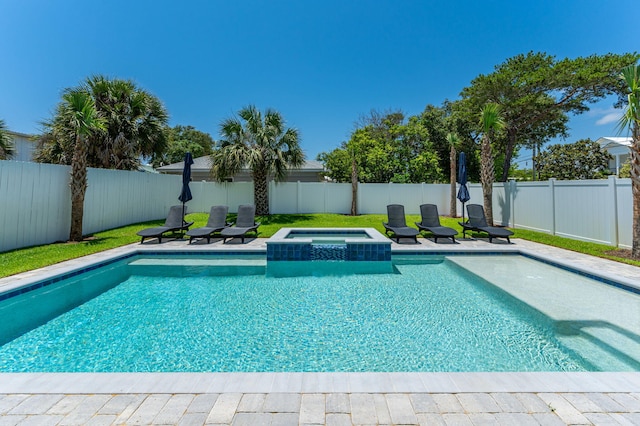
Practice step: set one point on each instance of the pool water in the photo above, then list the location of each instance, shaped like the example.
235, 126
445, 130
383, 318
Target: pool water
199, 315
319, 235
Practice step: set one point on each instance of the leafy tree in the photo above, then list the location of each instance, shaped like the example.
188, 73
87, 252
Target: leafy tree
180, 140
583, 159
447, 119
625, 170
631, 120
386, 149
520, 174
337, 163
262, 144
491, 121
78, 113
536, 92
6, 145
134, 123
439, 123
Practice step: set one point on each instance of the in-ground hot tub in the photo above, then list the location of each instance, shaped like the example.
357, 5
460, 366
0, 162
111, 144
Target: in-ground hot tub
365, 244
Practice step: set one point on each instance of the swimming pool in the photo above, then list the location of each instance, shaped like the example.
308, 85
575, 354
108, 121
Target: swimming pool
212, 313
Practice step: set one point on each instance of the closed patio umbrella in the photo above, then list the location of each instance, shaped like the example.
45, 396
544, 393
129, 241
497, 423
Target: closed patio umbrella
185, 194
463, 192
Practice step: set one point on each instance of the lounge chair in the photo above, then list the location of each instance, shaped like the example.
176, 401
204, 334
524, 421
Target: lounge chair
245, 223
398, 225
431, 223
175, 222
217, 222
478, 222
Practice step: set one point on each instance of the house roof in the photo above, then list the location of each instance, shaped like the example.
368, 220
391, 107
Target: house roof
612, 141
203, 164
20, 135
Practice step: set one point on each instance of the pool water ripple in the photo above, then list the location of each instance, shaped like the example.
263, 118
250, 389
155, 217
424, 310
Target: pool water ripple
425, 317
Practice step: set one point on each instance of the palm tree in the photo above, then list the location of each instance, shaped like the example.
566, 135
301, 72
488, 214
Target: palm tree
263, 145
490, 122
6, 145
134, 127
631, 120
453, 140
79, 113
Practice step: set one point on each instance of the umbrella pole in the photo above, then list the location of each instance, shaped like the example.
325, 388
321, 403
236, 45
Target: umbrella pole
183, 221
463, 228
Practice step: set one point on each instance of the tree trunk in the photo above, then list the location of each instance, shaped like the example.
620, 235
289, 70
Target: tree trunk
511, 145
354, 187
635, 189
452, 177
78, 187
487, 177
261, 192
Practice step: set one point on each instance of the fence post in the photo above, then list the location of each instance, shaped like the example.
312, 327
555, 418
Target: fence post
324, 196
270, 193
298, 196
613, 210
552, 191
512, 202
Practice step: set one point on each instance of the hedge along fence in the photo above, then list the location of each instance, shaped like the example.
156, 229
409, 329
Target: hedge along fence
36, 202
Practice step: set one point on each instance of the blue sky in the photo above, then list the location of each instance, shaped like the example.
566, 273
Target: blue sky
322, 64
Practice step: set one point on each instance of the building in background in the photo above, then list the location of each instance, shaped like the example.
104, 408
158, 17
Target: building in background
24, 145
619, 148
311, 171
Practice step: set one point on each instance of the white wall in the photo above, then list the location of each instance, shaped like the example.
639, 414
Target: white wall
35, 205
35, 202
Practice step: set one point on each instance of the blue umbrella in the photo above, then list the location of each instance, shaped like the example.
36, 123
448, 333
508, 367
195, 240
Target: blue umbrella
463, 192
185, 194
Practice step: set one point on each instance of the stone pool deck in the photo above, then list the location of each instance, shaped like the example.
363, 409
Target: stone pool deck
325, 398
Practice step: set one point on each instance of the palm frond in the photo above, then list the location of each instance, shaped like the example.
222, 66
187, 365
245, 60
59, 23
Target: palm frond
453, 139
491, 117
631, 116
6, 145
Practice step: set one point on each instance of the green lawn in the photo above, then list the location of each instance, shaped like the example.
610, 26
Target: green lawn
27, 259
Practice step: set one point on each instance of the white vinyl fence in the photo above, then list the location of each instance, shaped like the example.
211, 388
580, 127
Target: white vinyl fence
35, 202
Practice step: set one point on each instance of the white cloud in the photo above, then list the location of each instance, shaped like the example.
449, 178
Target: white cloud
609, 117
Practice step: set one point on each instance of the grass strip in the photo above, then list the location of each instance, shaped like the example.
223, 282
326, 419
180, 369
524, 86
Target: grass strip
30, 258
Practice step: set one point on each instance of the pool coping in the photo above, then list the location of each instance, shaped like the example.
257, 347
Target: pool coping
383, 382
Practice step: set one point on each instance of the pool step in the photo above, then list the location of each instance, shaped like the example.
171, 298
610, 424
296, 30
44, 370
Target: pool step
198, 262
186, 267
600, 319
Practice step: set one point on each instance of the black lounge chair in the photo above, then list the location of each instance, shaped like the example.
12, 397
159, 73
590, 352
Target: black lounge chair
398, 225
478, 222
431, 223
175, 222
217, 222
245, 223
